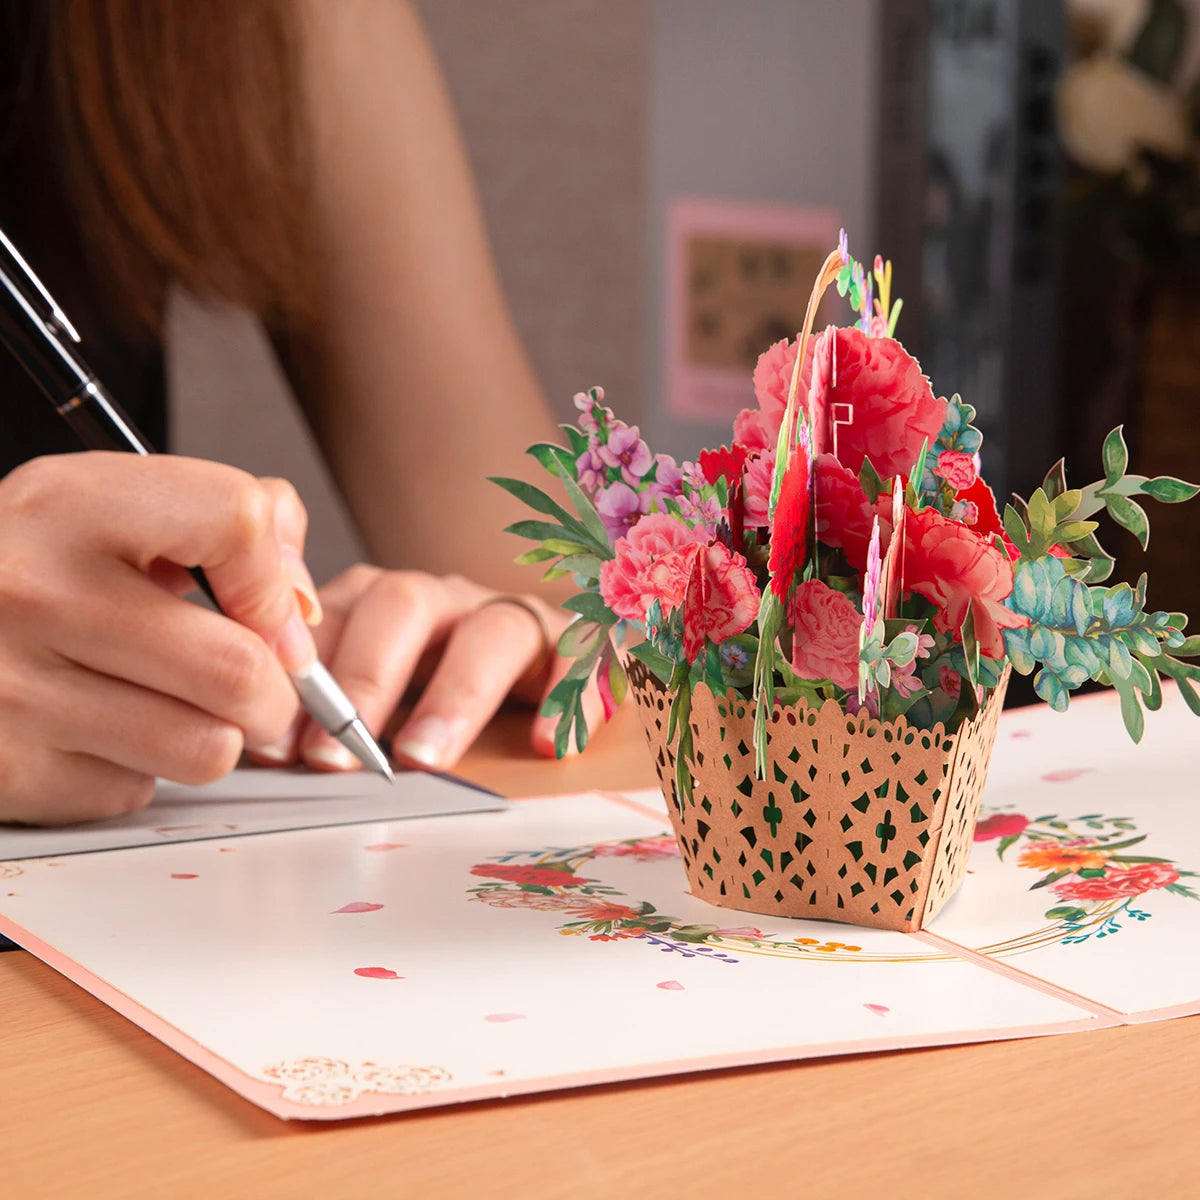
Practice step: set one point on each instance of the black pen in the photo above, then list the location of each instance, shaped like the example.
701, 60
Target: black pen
43, 341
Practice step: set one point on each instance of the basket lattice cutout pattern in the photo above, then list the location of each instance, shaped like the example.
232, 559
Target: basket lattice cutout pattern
962, 803
850, 823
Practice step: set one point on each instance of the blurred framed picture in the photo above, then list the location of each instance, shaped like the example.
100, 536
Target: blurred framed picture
738, 279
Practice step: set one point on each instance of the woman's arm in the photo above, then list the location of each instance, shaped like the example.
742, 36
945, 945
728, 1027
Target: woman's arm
417, 384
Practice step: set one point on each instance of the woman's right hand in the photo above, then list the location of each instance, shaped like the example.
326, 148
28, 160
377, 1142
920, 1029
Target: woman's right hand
108, 677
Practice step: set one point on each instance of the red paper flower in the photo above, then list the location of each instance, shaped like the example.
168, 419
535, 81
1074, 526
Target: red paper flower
538, 876
721, 597
825, 637
953, 566
988, 522
843, 516
1113, 884
893, 409
725, 461
789, 527
1000, 825
957, 468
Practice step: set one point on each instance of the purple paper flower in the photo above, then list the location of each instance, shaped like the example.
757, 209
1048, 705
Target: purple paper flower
871, 579
734, 656
591, 471
669, 476
844, 247
693, 475
702, 512
619, 507
592, 412
625, 449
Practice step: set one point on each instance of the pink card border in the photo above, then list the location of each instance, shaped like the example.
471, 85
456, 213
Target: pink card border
269, 1096
689, 214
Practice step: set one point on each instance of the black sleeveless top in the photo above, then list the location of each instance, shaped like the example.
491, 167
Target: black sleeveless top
36, 214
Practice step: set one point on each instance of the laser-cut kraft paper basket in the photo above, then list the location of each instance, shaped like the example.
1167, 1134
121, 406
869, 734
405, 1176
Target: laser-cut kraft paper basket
858, 820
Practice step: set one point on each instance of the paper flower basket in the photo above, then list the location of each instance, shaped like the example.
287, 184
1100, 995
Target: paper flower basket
830, 608
857, 819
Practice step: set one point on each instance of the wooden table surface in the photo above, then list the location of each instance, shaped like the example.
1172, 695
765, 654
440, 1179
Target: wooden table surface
92, 1106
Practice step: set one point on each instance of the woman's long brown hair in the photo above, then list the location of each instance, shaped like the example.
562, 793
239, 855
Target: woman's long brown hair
183, 126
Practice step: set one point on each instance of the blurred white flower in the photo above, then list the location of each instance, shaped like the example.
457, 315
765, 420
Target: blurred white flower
1109, 110
1120, 19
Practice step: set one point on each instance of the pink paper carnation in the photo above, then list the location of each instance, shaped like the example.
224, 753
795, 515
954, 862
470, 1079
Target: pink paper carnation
721, 597
957, 468
624, 583
758, 428
893, 409
825, 638
758, 475
952, 566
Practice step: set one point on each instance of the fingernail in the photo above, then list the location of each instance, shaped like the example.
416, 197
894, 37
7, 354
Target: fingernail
430, 741
295, 646
276, 752
303, 586
333, 756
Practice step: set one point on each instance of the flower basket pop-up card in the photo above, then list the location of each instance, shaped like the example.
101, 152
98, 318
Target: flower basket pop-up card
829, 611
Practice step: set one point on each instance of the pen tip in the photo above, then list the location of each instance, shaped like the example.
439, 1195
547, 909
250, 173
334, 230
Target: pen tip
364, 747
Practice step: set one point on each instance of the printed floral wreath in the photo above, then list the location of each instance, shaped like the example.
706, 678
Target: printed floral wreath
1086, 861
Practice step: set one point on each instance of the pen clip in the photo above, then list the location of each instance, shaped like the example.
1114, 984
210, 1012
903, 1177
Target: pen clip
55, 316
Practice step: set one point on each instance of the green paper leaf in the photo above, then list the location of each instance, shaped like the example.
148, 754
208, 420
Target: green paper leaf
870, 480
1055, 483
585, 565
557, 460
536, 555
545, 532
660, 666
1116, 455
589, 517
1168, 490
591, 606
580, 638
532, 496
1016, 529
1130, 515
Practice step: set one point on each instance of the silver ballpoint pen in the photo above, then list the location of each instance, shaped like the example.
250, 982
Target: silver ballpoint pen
43, 340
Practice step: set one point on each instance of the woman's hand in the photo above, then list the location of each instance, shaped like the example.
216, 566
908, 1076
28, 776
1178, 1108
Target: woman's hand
385, 630
109, 678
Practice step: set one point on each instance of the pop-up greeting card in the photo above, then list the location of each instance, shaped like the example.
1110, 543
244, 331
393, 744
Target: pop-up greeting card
829, 610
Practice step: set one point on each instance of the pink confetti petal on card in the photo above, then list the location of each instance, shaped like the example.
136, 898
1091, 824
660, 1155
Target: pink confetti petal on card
670, 985
183, 875
377, 973
358, 906
880, 1010
1020, 733
387, 846
1066, 774
501, 1018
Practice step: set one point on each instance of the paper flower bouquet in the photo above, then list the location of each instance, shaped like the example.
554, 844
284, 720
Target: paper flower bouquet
828, 611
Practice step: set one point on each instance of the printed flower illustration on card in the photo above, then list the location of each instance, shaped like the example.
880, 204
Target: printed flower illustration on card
1089, 865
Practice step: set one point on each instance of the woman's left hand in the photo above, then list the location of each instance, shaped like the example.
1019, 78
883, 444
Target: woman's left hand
382, 631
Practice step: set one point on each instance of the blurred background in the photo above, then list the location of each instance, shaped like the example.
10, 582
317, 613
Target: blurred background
661, 177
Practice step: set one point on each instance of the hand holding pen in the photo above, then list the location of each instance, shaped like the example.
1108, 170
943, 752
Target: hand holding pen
88, 536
